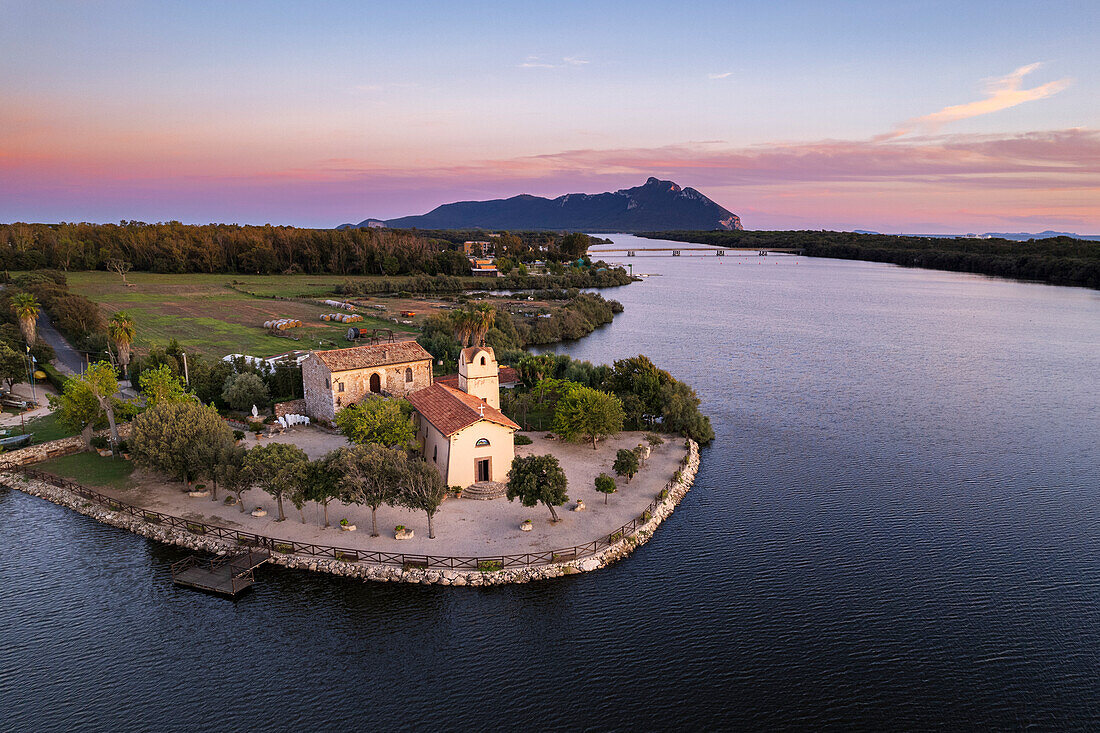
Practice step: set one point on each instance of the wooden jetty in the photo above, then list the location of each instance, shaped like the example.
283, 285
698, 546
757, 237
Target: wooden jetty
227, 576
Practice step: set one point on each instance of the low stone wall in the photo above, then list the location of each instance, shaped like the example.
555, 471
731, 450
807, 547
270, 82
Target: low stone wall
54, 448
367, 571
293, 407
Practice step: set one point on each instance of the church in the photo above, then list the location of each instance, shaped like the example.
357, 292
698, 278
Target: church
459, 426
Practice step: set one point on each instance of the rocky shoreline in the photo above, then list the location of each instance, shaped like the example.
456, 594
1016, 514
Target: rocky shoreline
369, 571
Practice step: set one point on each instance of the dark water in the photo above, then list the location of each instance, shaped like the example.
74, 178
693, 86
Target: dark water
897, 526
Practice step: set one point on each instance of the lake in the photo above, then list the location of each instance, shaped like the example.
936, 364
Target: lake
898, 526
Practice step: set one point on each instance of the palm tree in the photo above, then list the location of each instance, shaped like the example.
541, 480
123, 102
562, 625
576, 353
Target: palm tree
121, 330
26, 307
484, 317
463, 324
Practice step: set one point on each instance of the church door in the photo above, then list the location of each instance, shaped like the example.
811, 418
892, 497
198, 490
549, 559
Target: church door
482, 469
375, 383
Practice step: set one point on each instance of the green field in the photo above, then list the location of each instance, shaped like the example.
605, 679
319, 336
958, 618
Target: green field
209, 314
46, 428
91, 469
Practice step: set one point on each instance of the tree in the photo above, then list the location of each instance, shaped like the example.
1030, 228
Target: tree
370, 476
378, 420
102, 381
483, 319
182, 439
242, 391
230, 472
422, 489
464, 324
78, 409
626, 463
25, 307
588, 414
279, 469
13, 365
574, 245
535, 479
533, 369
323, 481
605, 485
121, 331
119, 267
161, 385
680, 413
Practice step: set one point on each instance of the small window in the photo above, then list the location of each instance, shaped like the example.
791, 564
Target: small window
482, 360
340, 387
481, 441
435, 453
328, 385
408, 374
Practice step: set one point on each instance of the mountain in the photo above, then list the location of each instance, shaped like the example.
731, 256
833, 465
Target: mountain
1024, 236
654, 205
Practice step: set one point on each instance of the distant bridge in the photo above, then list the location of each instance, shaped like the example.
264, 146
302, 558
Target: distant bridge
719, 251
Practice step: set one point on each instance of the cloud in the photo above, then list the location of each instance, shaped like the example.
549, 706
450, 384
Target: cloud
537, 62
1003, 92
722, 75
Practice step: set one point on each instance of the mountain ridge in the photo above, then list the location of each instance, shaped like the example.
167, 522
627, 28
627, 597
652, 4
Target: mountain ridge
654, 203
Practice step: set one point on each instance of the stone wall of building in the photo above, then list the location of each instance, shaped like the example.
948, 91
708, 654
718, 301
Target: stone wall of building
325, 392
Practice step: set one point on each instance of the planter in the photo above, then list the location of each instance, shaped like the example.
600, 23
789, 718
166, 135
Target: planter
347, 527
198, 494
580, 507
105, 452
402, 534
526, 526
126, 457
258, 512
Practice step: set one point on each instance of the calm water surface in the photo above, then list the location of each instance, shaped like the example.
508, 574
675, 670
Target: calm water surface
897, 526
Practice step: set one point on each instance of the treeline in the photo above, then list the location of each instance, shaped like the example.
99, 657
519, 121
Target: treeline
509, 334
1057, 260
573, 277
172, 247
651, 397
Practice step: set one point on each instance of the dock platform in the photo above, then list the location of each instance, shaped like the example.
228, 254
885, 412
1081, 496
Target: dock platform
228, 576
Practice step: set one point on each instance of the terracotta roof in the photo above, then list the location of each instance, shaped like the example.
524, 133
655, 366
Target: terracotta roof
364, 357
451, 410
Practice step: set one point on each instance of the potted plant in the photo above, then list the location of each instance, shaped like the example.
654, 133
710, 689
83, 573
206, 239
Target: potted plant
238, 435
401, 533
346, 526
526, 526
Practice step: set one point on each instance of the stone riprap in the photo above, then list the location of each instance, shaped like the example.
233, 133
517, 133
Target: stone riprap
369, 571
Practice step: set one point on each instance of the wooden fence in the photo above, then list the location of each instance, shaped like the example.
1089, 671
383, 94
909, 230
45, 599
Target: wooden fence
330, 552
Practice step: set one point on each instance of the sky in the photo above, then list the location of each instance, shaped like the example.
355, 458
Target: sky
921, 116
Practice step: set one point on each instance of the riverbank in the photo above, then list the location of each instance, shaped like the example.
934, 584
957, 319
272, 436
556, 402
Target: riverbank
388, 567
1055, 261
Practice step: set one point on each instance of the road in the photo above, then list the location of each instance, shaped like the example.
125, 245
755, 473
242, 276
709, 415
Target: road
68, 359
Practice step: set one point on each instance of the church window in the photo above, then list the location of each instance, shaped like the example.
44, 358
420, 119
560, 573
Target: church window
483, 360
408, 374
327, 384
435, 453
481, 441
340, 387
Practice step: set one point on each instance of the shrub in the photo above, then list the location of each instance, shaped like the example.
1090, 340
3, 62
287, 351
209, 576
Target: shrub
284, 548
238, 434
123, 446
489, 566
522, 439
99, 442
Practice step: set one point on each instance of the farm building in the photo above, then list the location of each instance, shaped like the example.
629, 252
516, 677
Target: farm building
339, 377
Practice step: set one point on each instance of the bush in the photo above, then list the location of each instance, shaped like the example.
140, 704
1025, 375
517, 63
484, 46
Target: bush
242, 391
123, 446
522, 440
99, 442
238, 434
55, 378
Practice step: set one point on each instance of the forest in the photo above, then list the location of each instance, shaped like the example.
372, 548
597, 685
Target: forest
1057, 260
172, 247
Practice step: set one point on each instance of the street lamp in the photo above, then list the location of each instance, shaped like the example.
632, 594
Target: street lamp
31, 361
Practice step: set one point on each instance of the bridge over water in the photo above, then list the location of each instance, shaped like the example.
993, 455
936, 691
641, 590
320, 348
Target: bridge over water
677, 251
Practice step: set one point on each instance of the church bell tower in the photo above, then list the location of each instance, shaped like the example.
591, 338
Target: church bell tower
478, 374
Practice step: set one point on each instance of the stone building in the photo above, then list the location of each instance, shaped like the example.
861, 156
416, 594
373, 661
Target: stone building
461, 430
340, 377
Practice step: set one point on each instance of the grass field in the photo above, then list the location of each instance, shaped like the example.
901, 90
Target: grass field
91, 469
208, 314
46, 428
